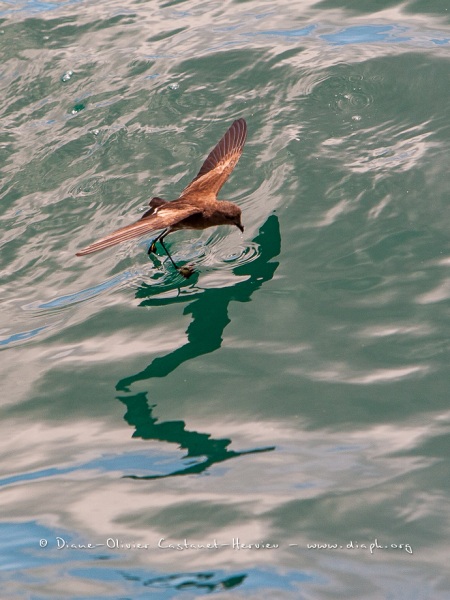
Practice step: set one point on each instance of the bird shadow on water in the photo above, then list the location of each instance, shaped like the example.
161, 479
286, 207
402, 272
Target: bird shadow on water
206, 582
209, 310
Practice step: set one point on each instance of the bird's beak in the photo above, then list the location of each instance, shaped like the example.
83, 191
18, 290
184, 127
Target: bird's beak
241, 227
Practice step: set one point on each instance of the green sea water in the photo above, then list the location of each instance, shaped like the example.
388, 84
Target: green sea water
276, 426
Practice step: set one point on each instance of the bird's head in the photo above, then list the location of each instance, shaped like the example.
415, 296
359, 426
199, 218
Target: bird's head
232, 214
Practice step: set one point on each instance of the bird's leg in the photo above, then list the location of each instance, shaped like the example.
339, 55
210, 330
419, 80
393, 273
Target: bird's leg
168, 254
152, 248
186, 271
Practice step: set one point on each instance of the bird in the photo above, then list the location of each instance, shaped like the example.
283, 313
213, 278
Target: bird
197, 207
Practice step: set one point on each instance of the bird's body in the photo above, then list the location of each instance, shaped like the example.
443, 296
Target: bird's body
197, 207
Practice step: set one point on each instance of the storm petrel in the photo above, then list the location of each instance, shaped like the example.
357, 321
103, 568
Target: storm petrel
196, 208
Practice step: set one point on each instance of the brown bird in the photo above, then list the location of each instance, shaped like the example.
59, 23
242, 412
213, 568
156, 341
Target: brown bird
196, 208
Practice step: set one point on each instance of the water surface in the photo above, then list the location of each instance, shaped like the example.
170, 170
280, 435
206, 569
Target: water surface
293, 392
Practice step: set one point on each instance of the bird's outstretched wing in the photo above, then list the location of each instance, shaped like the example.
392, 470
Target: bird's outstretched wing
220, 162
165, 216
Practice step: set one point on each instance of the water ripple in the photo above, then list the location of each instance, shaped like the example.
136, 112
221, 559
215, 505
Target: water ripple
82, 295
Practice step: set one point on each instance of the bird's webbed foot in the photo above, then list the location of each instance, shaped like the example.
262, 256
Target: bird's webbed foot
152, 249
186, 271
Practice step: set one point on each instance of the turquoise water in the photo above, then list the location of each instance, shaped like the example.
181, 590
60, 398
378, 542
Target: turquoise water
276, 426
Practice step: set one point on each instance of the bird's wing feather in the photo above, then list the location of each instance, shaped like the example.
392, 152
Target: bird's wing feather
154, 204
220, 162
165, 216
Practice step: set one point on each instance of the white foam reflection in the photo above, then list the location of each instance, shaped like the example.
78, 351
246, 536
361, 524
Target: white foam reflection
344, 373
439, 294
